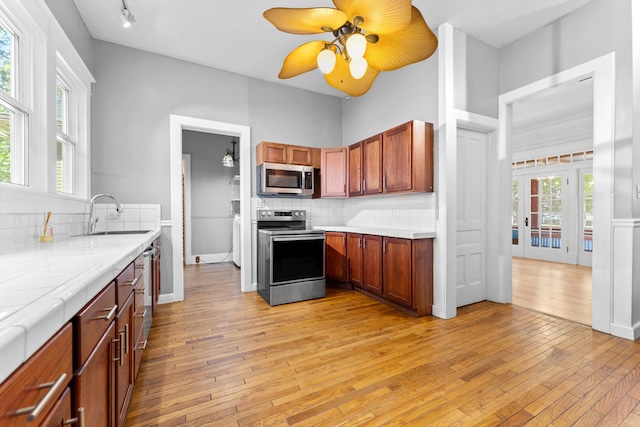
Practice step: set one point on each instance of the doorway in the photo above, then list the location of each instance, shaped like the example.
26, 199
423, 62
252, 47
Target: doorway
176, 126
602, 71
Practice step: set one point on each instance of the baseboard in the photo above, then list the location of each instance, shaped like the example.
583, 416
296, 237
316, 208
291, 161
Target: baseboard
166, 298
209, 258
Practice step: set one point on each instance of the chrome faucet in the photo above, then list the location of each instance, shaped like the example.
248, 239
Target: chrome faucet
93, 221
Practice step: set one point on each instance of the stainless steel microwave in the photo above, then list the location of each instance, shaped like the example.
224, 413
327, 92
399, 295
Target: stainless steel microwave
275, 179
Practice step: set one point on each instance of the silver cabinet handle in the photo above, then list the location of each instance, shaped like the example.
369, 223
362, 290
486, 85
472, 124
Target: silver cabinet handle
117, 340
143, 346
149, 252
108, 317
34, 411
134, 282
121, 340
79, 419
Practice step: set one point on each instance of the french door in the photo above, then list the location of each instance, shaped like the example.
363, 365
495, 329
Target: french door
541, 219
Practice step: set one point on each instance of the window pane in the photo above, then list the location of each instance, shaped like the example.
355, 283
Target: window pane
62, 96
6, 61
5, 144
59, 167
64, 166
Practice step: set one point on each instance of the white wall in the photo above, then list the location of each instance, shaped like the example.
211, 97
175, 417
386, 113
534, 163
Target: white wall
69, 19
598, 28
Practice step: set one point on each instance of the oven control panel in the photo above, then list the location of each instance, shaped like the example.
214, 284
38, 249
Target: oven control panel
281, 215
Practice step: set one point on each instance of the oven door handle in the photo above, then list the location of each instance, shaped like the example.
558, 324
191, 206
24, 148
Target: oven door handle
296, 238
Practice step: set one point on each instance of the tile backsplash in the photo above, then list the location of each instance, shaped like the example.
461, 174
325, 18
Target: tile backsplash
406, 211
18, 231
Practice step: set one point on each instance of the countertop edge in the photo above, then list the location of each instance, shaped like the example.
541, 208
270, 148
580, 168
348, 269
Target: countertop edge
387, 232
34, 324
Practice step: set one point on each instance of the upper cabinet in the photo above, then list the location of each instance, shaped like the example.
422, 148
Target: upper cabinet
399, 160
334, 172
273, 152
408, 158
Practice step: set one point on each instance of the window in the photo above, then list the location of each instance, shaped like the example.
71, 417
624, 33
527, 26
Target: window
14, 116
65, 143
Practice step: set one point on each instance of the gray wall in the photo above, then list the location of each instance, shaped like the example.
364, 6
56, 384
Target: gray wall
598, 28
136, 92
410, 93
69, 19
211, 192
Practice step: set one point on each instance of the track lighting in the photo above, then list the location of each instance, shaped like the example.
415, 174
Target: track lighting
126, 17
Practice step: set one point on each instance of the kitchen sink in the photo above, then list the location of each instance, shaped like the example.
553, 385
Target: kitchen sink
114, 233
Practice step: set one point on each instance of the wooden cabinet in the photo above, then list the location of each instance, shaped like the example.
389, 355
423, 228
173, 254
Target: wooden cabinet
372, 263
365, 167
396, 256
336, 257
94, 351
138, 315
37, 387
94, 381
273, 152
60, 414
408, 158
354, 259
124, 367
355, 169
396, 271
334, 172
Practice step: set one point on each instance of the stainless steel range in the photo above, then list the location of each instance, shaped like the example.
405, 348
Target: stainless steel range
290, 257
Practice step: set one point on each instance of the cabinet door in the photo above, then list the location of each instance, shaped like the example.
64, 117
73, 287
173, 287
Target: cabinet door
397, 166
334, 172
60, 414
372, 263
355, 169
155, 276
397, 270
336, 256
271, 152
372, 165
354, 251
94, 381
124, 365
299, 155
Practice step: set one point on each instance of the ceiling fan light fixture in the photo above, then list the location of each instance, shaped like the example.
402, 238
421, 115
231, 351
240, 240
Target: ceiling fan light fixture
356, 45
326, 60
358, 67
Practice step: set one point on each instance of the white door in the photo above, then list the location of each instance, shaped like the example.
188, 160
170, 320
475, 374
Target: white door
471, 213
547, 217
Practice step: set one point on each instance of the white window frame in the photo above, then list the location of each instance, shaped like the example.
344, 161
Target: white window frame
45, 54
15, 103
66, 135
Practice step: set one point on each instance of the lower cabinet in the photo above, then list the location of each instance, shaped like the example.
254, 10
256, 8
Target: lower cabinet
36, 393
393, 270
336, 257
60, 414
372, 264
124, 374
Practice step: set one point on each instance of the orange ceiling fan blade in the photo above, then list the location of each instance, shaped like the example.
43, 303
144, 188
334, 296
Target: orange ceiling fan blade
393, 51
306, 21
301, 59
341, 78
380, 17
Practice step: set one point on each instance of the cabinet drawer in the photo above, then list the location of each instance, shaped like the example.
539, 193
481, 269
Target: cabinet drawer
125, 283
92, 322
32, 390
60, 415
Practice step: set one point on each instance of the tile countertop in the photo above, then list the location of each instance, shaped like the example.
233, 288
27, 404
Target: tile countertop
389, 232
43, 287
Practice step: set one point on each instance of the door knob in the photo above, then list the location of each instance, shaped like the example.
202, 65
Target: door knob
526, 222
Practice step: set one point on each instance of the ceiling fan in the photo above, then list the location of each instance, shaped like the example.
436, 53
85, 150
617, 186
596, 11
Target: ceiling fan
369, 36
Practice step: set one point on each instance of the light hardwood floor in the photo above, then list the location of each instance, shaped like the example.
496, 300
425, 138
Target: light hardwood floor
225, 358
561, 290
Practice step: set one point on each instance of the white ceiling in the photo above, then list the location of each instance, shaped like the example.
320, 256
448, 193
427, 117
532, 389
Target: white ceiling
234, 36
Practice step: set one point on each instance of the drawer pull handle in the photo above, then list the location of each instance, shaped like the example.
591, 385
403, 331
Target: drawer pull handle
143, 346
109, 316
114, 341
134, 282
144, 313
79, 419
34, 411
121, 358
126, 338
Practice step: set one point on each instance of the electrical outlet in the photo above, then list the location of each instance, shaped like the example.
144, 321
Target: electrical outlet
259, 203
637, 191
197, 259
